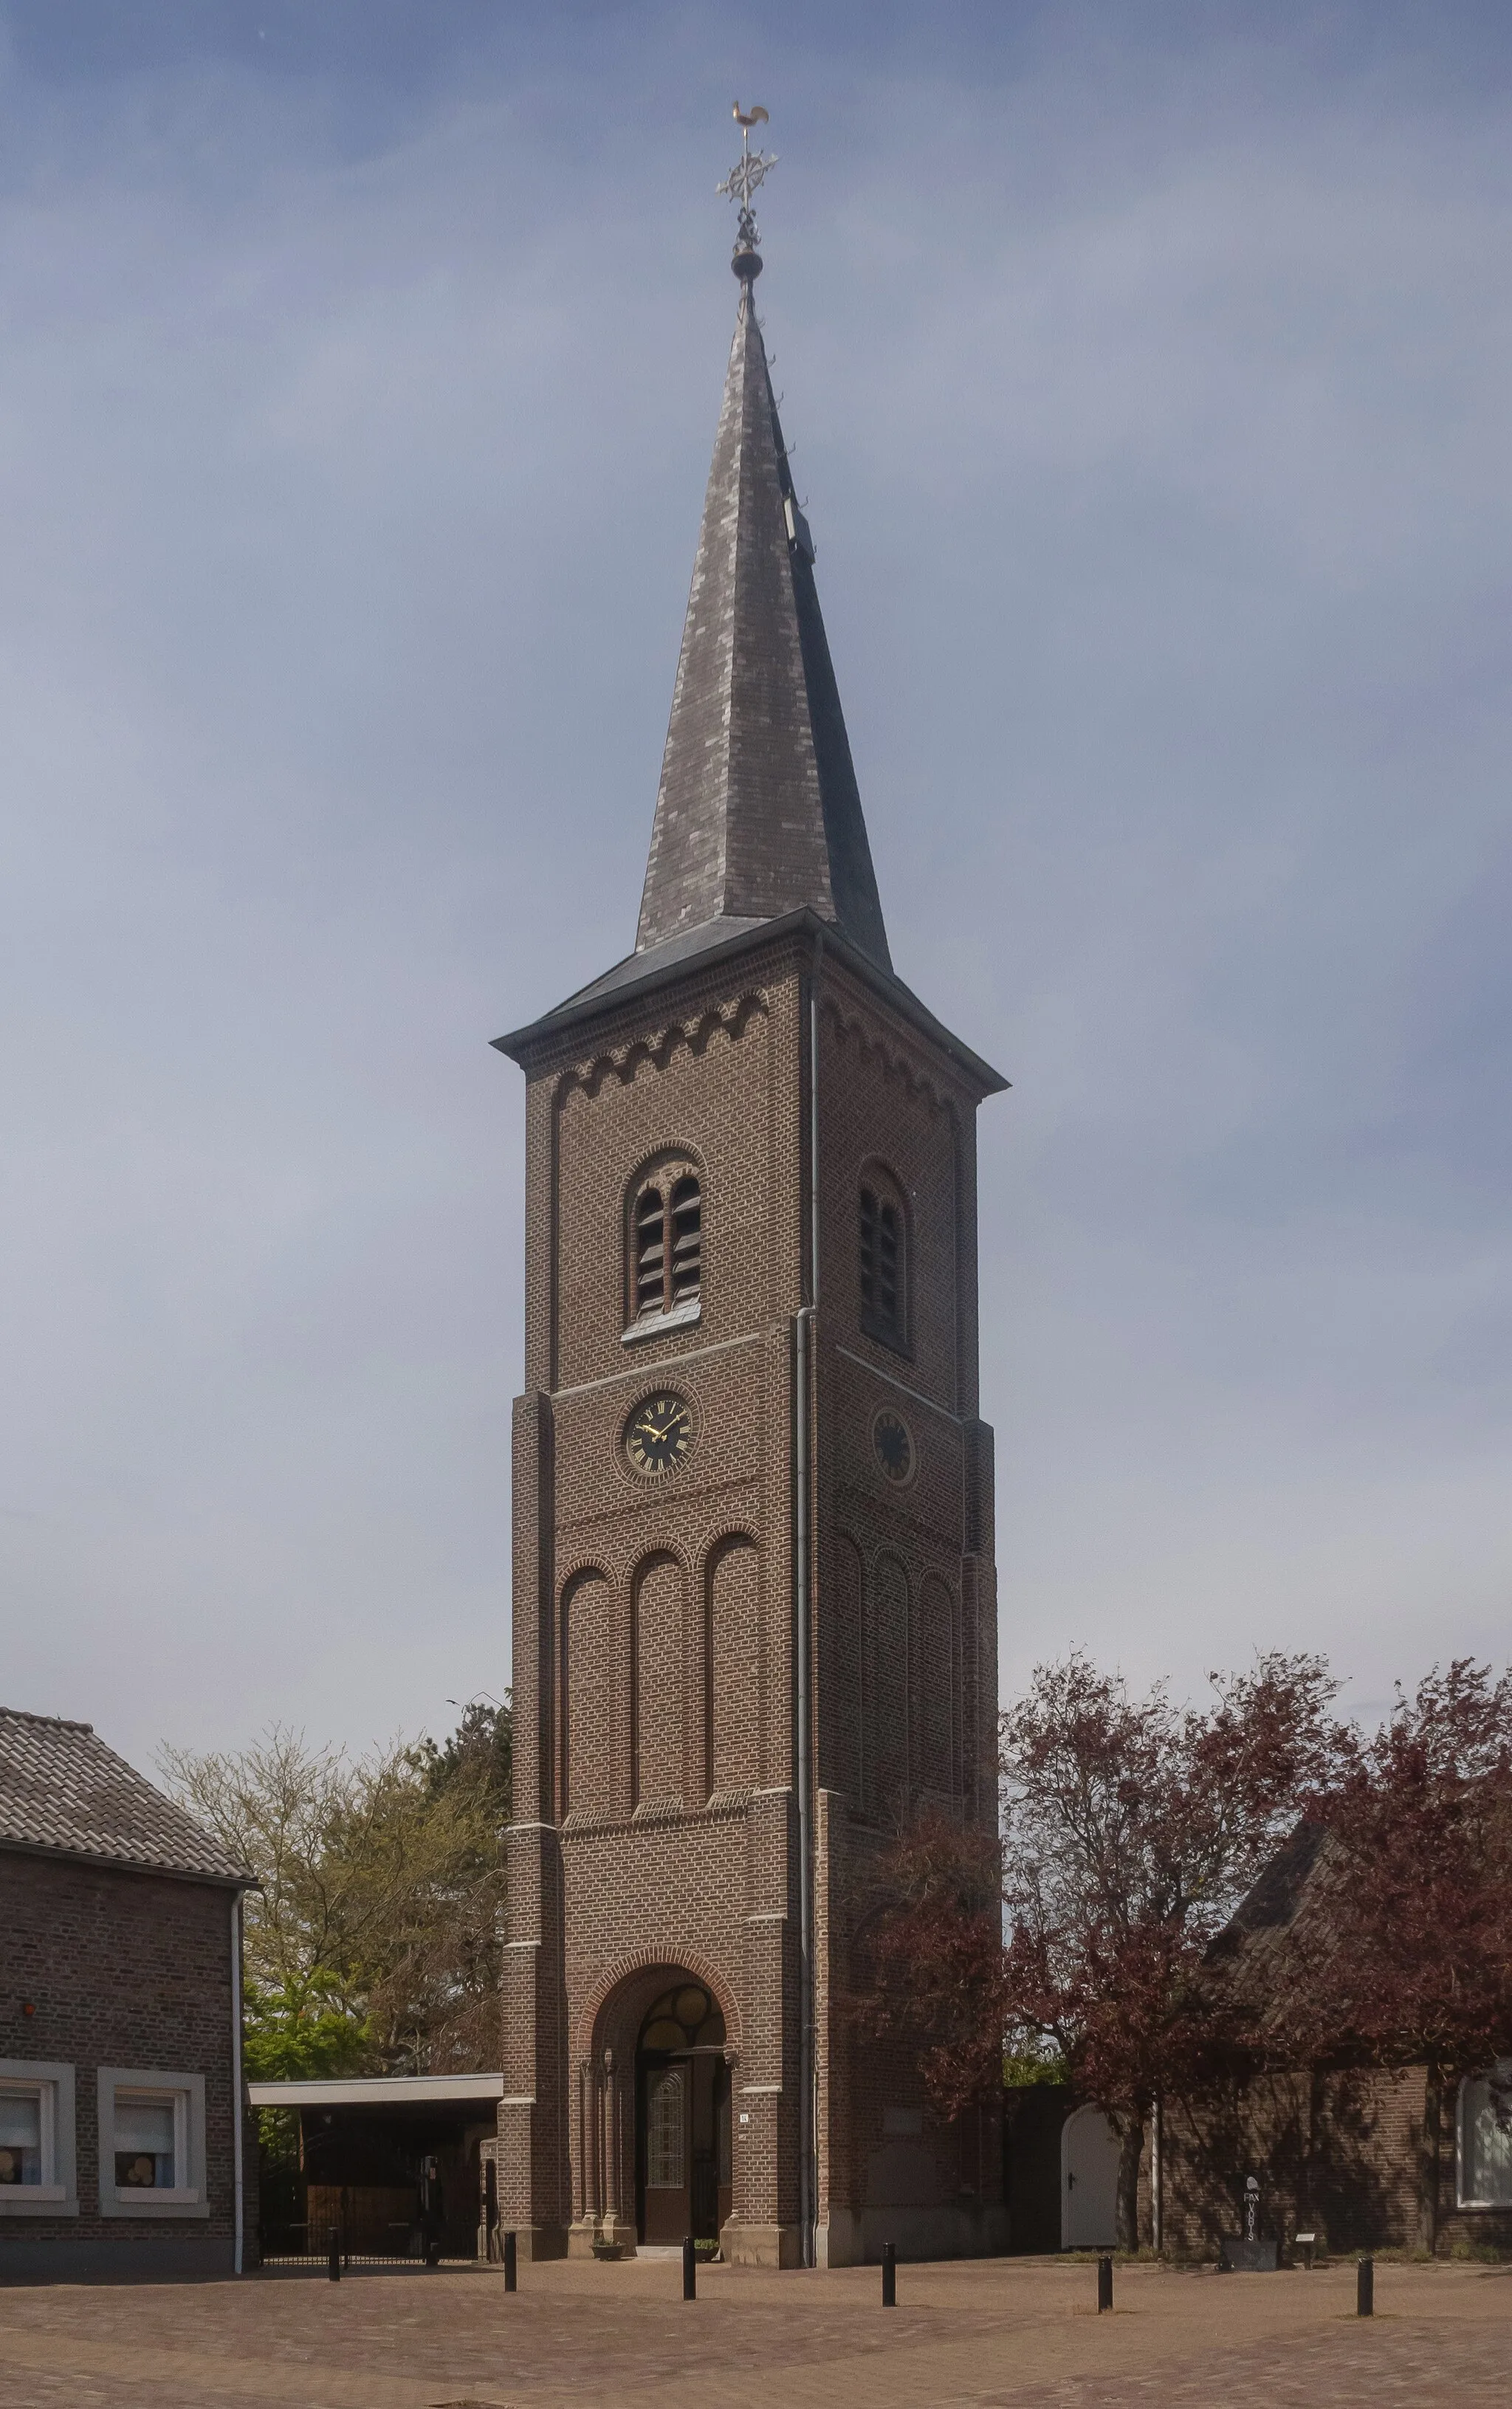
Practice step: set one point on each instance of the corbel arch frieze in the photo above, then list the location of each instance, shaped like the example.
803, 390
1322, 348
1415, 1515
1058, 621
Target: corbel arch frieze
655, 1051
851, 1029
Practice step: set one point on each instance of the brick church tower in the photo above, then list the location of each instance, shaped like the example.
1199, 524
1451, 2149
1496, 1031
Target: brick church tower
754, 1622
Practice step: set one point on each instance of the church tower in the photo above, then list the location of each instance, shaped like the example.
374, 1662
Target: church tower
754, 1618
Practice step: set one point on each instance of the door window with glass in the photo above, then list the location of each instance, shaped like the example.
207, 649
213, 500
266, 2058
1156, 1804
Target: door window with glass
684, 2088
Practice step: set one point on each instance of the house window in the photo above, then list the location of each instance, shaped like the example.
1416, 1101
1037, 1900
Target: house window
36, 2139
150, 2141
666, 1247
1486, 2139
151, 2144
883, 1263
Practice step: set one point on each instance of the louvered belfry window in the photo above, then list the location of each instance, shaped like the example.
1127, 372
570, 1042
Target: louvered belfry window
666, 1242
882, 1266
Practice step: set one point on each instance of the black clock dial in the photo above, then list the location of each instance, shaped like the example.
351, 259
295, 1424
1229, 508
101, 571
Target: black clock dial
659, 1435
893, 1445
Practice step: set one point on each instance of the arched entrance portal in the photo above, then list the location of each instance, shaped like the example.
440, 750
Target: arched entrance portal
682, 2120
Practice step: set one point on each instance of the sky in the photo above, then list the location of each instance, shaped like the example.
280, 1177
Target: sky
1148, 370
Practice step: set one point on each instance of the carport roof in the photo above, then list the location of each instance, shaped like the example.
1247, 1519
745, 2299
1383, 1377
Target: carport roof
376, 2090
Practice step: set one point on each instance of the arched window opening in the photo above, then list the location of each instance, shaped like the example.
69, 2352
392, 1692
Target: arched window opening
883, 1266
666, 1244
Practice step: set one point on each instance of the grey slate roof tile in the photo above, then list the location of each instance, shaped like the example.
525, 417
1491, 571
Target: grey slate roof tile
758, 817
62, 1788
758, 813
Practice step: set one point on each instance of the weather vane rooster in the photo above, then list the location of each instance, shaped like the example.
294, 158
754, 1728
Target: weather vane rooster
739, 185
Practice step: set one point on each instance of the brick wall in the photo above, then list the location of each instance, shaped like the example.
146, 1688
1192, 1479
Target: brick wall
128, 1970
654, 1627
1359, 2157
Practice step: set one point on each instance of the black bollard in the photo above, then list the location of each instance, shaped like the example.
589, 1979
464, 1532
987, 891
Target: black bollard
334, 2262
1104, 2285
690, 2271
889, 2274
512, 2279
1366, 2288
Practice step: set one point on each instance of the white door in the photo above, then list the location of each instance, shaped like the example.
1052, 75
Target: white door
1088, 2182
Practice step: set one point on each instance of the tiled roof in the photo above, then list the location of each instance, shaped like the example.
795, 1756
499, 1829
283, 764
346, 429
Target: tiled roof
62, 1788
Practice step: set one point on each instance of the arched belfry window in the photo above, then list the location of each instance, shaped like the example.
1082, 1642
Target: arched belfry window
883, 1251
666, 1244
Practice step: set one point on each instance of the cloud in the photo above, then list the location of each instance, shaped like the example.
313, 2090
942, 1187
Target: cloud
1148, 393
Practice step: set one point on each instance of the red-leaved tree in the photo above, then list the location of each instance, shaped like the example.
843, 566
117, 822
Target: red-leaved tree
1131, 1828
1400, 1952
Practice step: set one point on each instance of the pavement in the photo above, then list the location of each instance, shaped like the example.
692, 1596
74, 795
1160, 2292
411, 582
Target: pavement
988, 2334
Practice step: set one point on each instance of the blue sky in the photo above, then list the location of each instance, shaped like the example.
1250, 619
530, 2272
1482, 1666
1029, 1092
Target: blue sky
1148, 370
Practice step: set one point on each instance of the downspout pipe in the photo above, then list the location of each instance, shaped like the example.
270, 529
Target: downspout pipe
803, 1670
237, 2109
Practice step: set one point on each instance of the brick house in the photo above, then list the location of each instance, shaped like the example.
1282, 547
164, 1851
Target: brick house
754, 1604
1365, 2156
120, 2126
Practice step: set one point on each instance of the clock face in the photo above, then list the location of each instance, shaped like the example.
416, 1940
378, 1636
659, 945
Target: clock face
658, 1435
894, 1444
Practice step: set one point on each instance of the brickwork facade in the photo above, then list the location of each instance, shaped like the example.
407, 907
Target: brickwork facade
105, 1968
1367, 2160
655, 1703
754, 1616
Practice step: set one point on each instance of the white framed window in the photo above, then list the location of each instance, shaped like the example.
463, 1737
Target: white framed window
1484, 2139
152, 2143
36, 2139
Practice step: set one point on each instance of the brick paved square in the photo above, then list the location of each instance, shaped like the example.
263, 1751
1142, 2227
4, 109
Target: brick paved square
966, 2336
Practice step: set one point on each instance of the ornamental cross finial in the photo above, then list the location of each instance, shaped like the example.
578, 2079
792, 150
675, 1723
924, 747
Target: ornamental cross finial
739, 185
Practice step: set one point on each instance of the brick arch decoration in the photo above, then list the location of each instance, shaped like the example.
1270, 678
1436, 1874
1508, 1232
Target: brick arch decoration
657, 1552
574, 1570
582, 1717
888, 1611
846, 1689
668, 1957
937, 1686
850, 1029
673, 1152
720, 1539
733, 1707
623, 1062
658, 1694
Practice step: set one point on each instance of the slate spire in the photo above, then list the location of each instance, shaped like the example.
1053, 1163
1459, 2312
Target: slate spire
759, 812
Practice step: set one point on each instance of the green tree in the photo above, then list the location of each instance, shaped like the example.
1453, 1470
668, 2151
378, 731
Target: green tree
373, 1943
